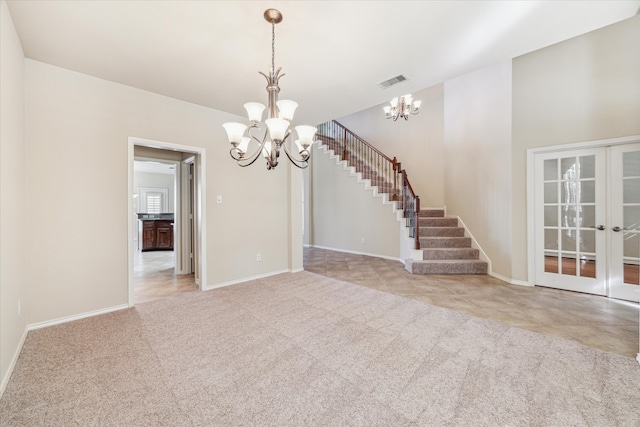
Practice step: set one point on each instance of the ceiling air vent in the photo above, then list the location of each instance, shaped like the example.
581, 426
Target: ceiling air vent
392, 81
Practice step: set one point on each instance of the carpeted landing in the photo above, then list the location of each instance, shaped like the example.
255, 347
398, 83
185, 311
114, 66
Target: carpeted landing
302, 349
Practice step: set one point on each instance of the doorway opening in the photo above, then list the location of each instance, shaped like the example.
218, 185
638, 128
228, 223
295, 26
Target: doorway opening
166, 206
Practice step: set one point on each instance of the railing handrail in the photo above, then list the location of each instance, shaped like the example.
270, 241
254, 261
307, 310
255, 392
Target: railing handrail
380, 153
383, 174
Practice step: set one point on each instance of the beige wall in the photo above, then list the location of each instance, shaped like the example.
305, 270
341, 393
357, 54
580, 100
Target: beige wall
12, 212
416, 143
477, 129
584, 89
77, 130
343, 212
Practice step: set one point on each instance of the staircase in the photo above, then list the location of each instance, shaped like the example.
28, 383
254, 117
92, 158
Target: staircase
445, 249
439, 240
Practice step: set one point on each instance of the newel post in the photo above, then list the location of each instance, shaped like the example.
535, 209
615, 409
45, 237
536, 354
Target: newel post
396, 166
417, 213
344, 139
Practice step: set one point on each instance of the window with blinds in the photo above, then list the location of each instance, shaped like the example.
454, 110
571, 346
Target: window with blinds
154, 203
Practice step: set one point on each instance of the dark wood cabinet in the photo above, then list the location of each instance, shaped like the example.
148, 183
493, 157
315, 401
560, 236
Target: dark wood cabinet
157, 235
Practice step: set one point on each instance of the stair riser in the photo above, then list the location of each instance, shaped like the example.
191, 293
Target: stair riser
461, 253
451, 242
467, 268
441, 232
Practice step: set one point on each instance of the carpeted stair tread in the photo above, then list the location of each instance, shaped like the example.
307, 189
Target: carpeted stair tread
437, 222
441, 232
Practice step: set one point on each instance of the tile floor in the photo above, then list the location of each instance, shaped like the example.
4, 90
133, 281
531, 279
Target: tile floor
154, 276
591, 320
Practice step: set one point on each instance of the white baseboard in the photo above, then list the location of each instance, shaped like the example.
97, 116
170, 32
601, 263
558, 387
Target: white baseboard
14, 359
508, 280
60, 320
359, 253
521, 283
499, 277
638, 357
244, 279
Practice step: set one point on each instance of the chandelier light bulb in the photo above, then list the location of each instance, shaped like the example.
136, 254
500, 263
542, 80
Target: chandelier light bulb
244, 144
306, 134
235, 132
286, 108
254, 111
277, 128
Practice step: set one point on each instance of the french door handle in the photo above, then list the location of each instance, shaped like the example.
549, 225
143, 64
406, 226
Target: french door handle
598, 227
616, 228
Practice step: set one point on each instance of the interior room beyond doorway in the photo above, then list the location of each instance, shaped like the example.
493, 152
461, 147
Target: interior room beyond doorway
163, 225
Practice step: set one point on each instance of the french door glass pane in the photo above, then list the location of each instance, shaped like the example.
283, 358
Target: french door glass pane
631, 246
631, 164
551, 216
569, 216
588, 268
631, 190
551, 169
631, 216
551, 239
588, 215
568, 168
587, 192
568, 266
568, 240
587, 167
588, 241
551, 192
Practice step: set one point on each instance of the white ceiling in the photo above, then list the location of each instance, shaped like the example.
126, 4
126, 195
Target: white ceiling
154, 167
333, 52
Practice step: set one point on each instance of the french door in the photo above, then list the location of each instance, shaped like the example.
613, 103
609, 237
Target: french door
587, 220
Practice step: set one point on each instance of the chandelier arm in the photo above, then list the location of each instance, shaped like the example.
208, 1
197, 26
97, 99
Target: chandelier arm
245, 161
255, 138
304, 161
249, 160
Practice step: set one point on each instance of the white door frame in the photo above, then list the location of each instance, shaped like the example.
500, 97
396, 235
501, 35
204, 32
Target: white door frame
185, 220
531, 153
200, 180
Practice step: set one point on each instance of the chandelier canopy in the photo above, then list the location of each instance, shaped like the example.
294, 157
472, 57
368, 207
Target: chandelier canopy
278, 128
402, 107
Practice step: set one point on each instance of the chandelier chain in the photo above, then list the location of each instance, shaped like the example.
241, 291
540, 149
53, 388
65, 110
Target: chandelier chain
273, 46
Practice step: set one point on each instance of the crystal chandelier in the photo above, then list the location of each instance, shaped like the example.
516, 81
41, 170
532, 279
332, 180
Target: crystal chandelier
402, 107
280, 113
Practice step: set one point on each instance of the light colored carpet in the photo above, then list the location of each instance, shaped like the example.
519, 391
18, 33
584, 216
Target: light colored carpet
303, 349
